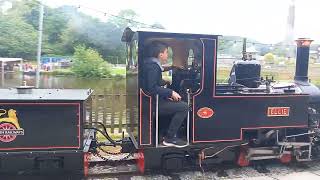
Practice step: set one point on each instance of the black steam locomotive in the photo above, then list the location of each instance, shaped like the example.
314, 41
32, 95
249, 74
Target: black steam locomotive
247, 119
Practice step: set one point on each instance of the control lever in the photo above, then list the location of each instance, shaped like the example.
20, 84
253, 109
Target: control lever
268, 82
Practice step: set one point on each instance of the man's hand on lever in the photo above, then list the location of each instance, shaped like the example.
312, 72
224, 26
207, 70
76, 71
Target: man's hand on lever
166, 67
170, 67
175, 96
177, 67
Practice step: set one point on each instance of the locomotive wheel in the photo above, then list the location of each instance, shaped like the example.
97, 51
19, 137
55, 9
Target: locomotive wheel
285, 158
242, 159
86, 164
7, 126
140, 161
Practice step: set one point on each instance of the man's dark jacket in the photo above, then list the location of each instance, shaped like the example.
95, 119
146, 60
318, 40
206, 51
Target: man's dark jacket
152, 76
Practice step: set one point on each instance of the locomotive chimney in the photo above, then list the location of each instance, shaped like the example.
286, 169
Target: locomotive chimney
302, 59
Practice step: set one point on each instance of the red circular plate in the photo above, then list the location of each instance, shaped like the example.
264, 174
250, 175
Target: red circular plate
205, 112
7, 138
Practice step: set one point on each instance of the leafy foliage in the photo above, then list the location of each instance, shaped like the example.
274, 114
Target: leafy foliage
123, 22
63, 29
269, 58
18, 38
89, 63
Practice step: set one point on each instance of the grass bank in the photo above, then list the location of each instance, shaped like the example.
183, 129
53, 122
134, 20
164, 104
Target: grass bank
278, 73
115, 72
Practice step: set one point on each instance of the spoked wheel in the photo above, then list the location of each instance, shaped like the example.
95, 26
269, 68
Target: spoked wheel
5, 135
140, 161
242, 160
286, 158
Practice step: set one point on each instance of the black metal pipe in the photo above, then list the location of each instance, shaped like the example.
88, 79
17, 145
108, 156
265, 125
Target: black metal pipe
244, 49
302, 59
104, 132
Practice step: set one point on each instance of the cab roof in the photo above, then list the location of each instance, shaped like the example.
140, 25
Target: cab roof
129, 32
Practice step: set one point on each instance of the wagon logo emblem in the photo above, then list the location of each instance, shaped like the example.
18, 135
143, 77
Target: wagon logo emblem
205, 112
9, 126
278, 111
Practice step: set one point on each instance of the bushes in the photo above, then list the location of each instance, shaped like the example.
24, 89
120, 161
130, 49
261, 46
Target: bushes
88, 62
269, 58
62, 72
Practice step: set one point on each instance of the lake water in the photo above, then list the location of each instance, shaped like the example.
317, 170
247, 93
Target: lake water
65, 82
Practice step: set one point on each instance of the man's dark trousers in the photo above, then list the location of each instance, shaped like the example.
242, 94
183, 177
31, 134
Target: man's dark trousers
178, 110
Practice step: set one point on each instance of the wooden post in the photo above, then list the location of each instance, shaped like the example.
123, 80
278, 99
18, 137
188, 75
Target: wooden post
112, 110
2, 73
120, 111
96, 113
104, 106
131, 117
90, 110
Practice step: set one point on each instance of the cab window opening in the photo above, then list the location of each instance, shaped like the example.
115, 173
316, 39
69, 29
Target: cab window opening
238, 71
185, 57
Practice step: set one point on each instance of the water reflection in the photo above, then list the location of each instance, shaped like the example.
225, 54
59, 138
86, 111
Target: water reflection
63, 82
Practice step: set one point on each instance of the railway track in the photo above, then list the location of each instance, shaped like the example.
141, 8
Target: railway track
127, 170
266, 170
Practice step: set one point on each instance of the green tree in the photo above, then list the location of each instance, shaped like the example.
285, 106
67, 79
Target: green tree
88, 62
22, 8
125, 18
64, 28
55, 21
279, 50
269, 58
18, 38
102, 36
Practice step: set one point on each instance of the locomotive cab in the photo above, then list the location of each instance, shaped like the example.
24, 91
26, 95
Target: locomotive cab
186, 56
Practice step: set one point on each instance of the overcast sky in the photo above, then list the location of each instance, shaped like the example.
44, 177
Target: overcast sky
263, 20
